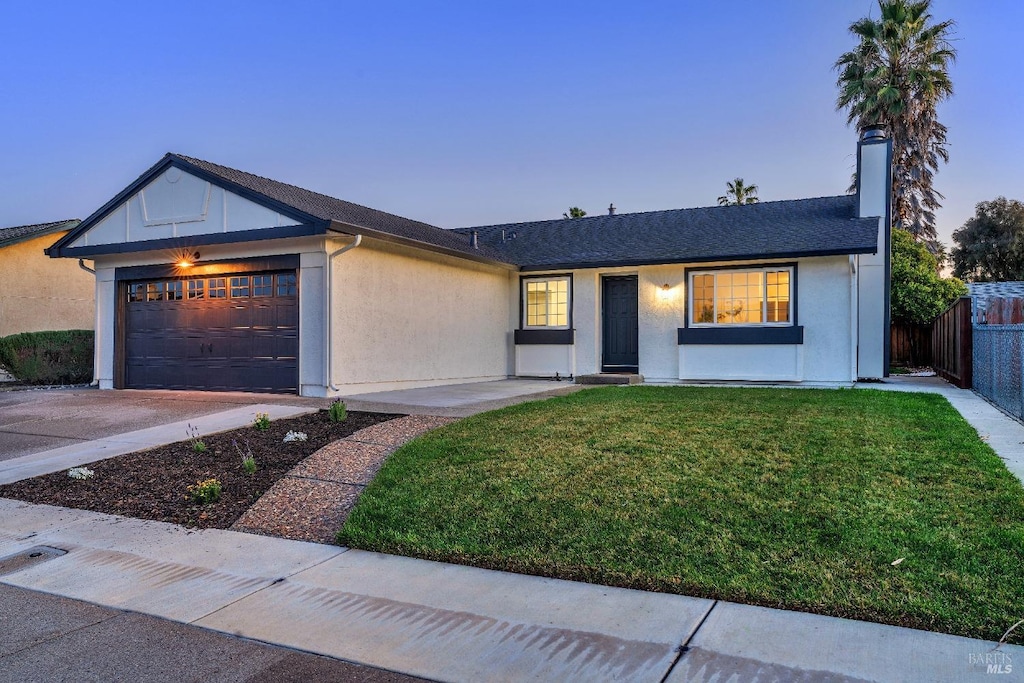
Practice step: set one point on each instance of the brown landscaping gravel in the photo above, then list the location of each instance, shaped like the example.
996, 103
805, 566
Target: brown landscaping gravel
397, 432
153, 484
301, 509
313, 501
344, 462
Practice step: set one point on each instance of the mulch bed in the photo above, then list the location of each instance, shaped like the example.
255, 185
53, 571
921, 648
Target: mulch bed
153, 484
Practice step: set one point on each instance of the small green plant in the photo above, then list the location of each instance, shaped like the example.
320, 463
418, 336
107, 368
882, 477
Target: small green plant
205, 491
248, 459
81, 473
197, 444
337, 411
262, 421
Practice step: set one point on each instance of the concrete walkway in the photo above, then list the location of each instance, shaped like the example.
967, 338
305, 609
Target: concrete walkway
57, 459
459, 400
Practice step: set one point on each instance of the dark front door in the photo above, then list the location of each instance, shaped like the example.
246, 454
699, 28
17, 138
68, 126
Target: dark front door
620, 325
220, 333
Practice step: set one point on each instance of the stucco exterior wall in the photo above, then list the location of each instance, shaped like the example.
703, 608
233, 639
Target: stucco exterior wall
39, 293
403, 318
825, 306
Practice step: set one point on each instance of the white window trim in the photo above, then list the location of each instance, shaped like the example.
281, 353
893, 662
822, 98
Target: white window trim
764, 312
525, 302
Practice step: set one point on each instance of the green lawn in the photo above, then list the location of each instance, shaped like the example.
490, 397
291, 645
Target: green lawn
793, 498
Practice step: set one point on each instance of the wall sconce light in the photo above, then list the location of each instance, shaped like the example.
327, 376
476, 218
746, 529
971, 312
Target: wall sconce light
187, 260
665, 292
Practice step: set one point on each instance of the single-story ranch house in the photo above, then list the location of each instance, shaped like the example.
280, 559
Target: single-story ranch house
36, 293
212, 278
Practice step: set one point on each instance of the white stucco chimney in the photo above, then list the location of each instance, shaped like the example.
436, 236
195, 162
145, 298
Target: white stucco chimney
874, 197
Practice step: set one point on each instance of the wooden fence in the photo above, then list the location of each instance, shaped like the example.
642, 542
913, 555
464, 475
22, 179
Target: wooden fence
952, 344
911, 345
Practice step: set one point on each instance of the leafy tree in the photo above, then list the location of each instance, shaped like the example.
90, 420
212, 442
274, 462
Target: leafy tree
896, 77
575, 212
918, 293
737, 192
990, 245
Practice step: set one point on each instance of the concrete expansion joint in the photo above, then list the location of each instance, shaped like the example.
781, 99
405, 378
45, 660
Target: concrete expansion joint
685, 645
275, 582
328, 481
390, 447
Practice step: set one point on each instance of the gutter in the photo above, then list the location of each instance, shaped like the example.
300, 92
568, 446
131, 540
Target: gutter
347, 229
329, 310
81, 264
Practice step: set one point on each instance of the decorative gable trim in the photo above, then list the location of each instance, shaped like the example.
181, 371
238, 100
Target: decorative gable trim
308, 224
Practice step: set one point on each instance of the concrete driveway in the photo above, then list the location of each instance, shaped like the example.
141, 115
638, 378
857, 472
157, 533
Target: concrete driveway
33, 421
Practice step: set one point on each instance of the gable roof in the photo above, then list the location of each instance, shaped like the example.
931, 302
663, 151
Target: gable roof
784, 229
318, 213
21, 233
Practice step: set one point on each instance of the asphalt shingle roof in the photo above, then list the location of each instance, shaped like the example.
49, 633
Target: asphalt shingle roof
20, 233
783, 229
331, 209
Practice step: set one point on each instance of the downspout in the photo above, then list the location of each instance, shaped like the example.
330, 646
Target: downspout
854, 318
95, 381
328, 312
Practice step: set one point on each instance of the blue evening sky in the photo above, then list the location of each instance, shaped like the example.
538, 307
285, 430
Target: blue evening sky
472, 113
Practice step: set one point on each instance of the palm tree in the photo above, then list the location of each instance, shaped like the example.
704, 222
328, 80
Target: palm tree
575, 212
738, 193
895, 77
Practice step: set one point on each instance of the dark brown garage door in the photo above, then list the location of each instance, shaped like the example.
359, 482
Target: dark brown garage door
217, 333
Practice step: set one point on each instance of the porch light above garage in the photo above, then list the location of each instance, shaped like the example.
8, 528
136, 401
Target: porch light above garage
187, 260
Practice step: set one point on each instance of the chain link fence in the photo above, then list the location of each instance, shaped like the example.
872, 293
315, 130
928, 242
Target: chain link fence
999, 365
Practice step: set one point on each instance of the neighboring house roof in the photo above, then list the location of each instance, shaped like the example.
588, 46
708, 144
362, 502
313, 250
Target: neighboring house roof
21, 233
784, 229
318, 212
982, 292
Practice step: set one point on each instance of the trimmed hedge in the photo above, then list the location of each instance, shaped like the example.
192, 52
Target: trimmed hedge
58, 357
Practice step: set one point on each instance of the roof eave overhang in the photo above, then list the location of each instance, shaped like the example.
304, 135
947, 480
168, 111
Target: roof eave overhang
352, 229
625, 263
312, 225
177, 243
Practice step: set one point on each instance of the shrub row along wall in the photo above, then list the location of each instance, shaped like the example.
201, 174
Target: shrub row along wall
999, 365
60, 357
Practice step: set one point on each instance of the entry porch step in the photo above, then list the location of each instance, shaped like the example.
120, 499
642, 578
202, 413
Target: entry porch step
610, 378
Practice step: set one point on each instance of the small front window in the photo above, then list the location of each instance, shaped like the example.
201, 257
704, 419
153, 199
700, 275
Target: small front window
239, 287
262, 285
218, 288
546, 302
751, 296
155, 291
286, 284
174, 290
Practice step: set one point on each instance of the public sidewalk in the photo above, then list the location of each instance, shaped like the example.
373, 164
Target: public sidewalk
450, 622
